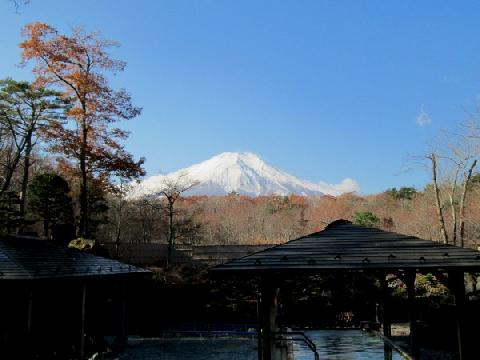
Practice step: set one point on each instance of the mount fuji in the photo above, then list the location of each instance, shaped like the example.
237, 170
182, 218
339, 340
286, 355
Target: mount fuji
244, 173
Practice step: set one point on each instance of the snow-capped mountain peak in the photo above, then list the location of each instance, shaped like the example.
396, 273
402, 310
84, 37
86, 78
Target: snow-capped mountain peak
244, 173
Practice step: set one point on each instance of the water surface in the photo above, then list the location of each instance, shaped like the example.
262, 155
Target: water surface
344, 345
331, 344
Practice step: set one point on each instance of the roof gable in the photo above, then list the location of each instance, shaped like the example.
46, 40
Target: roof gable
346, 246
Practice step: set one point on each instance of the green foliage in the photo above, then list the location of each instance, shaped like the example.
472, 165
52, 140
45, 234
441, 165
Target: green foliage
24, 108
24, 111
50, 200
406, 193
365, 218
429, 286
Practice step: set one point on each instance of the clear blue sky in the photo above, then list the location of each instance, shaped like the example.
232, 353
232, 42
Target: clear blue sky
321, 89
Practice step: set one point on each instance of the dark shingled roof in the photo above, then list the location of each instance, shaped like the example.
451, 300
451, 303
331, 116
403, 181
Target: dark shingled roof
23, 258
343, 246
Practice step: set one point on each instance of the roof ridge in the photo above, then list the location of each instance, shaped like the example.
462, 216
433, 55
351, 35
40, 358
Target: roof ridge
338, 222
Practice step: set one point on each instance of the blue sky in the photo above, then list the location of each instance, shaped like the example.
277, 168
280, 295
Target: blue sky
321, 89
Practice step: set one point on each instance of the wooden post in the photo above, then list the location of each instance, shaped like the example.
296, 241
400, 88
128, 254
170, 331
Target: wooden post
268, 318
29, 313
386, 322
82, 322
387, 326
259, 327
409, 278
458, 287
29, 337
123, 315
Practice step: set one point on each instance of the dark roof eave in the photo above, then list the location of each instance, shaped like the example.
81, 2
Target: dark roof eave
80, 277
250, 272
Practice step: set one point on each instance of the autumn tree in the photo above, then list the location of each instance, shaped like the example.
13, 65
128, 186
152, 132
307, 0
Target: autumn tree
78, 64
26, 111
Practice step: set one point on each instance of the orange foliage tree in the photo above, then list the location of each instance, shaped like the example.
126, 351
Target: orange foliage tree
77, 64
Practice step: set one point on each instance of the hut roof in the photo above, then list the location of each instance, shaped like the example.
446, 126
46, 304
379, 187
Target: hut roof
344, 246
26, 258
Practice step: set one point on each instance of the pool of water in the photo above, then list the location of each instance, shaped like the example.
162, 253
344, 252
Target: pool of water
331, 344
344, 345
192, 349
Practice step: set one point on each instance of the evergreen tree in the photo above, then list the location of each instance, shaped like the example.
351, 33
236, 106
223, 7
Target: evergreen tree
50, 200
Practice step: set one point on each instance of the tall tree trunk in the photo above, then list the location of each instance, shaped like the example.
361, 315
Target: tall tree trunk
83, 228
118, 229
454, 220
171, 233
83, 197
10, 171
441, 219
26, 169
46, 225
46, 219
466, 182
117, 243
452, 207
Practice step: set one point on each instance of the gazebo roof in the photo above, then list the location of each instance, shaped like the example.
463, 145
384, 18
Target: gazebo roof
24, 258
344, 246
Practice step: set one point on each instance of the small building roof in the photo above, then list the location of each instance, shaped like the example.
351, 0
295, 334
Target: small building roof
344, 246
27, 258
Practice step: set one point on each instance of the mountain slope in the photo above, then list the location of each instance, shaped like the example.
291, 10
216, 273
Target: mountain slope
244, 173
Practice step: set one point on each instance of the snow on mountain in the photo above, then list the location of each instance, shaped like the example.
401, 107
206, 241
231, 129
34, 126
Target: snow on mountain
244, 173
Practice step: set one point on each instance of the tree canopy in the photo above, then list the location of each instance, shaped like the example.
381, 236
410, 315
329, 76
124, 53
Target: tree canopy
77, 64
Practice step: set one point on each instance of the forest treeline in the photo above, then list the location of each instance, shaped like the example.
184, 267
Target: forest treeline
65, 173
237, 219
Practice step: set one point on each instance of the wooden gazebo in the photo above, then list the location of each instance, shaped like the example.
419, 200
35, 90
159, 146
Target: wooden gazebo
346, 247
41, 281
